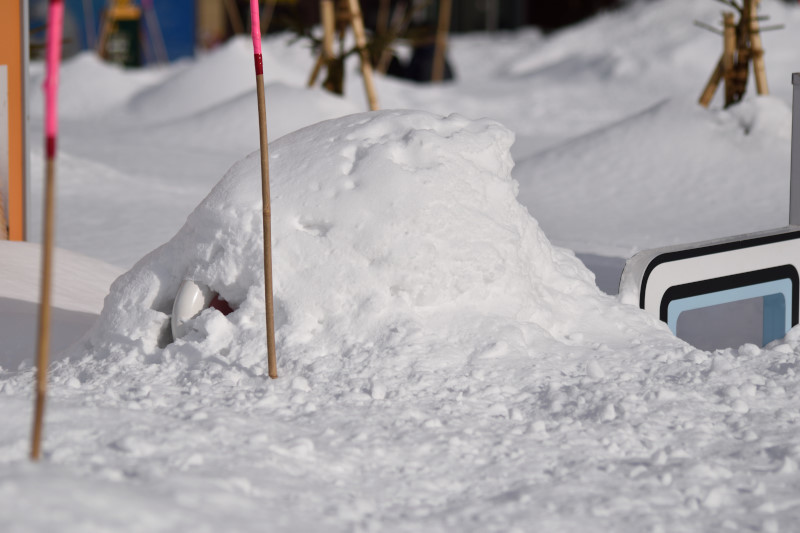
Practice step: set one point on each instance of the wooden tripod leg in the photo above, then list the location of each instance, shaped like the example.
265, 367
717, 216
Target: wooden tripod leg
357, 23
317, 68
711, 86
328, 15
757, 51
396, 28
729, 48
445, 9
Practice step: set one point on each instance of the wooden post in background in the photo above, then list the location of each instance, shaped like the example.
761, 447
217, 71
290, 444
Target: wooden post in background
442, 32
757, 50
728, 51
357, 22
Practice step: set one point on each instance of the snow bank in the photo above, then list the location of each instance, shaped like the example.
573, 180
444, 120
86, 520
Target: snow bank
393, 232
79, 282
233, 124
223, 74
675, 172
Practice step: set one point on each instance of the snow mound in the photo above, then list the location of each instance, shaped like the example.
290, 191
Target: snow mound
233, 124
677, 156
221, 75
393, 232
90, 87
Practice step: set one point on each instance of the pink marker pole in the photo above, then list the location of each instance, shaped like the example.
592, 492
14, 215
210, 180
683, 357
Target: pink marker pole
255, 29
54, 28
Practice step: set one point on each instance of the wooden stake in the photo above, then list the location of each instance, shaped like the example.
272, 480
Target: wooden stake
357, 23
728, 51
757, 51
445, 9
255, 27
711, 86
328, 16
54, 30
396, 27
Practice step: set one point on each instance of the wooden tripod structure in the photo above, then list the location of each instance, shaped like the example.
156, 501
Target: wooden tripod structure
335, 22
741, 46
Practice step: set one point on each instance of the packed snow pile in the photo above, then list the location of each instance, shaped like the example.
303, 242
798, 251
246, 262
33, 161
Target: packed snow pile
394, 233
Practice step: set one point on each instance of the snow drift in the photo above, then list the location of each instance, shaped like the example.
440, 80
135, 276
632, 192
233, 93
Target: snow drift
647, 168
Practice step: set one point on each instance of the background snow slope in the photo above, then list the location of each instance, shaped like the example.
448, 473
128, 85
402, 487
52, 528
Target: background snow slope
550, 408
598, 106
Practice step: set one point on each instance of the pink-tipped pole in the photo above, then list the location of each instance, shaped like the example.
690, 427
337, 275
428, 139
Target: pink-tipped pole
55, 22
255, 29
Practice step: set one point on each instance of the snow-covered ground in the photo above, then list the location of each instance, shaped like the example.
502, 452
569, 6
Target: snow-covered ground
447, 363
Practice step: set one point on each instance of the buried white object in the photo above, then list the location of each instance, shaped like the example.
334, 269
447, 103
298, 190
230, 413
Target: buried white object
732, 276
191, 300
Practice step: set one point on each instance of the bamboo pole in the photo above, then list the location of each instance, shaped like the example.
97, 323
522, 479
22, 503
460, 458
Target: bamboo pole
757, 50
442, 31
711, 86
729, 48
255, 28
396, 27
54, 30
357, 23
328, 16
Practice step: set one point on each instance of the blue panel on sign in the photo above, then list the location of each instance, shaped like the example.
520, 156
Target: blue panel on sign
777, 294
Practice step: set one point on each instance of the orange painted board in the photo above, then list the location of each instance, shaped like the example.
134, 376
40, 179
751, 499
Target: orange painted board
13, 61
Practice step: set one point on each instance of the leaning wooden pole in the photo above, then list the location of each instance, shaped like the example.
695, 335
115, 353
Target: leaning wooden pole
442, 32
728, 53
255, 29
357, 22
757, 50
55, 20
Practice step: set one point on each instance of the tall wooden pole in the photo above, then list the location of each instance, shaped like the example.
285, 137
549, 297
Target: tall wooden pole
728, 51
442, 32
54, 29
757, 50
255, 29
357, 22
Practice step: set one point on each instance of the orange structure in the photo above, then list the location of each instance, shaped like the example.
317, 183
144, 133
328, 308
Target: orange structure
13, 149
